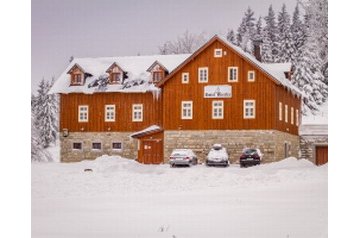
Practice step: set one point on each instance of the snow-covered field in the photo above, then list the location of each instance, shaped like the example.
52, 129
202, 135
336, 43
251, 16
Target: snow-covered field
122, 198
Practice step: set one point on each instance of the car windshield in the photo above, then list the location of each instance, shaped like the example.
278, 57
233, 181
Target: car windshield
180, 153
250, 151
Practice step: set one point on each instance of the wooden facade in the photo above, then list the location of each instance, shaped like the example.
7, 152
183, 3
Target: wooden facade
266, 93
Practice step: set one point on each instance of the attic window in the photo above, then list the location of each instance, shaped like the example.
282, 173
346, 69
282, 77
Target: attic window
77, 79
218, 53
116, 77
157, 76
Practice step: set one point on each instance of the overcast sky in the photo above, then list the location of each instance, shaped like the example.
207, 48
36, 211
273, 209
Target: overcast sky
94, 28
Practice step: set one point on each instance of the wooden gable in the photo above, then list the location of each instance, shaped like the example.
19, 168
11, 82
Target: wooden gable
77, 74
116, 74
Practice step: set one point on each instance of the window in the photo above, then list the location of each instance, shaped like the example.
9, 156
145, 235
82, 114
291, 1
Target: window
83, 113
297, 117
116, 77
249, 109
218, 53
286, 113
137, 112
251, 76
117, 146
203, 74
218, 110
232, 74
280, 111
187, 110
77, 146
292, 116
110, 113
77, 79
185, 78
157, 76
96, 146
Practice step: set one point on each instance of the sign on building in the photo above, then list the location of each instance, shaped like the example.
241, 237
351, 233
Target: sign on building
217, 91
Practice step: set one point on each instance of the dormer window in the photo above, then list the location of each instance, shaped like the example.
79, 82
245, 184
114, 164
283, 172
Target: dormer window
77, 79
158, 71
116, 78
116, 74
157, 76
77, 75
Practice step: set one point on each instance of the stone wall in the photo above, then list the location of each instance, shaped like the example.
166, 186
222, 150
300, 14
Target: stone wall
308, 145
270, 142
68, 154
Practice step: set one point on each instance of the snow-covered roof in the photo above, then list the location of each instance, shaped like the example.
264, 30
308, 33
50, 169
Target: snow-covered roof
315, 124
135, 66
275, 70
148, 130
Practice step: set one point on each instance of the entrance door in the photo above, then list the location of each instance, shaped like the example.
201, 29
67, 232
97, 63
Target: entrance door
321, 155
152, 151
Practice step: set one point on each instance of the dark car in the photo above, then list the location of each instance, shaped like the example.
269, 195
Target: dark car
250, 157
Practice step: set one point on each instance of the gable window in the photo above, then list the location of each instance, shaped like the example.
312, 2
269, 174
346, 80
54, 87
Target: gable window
83, 113
116, 77
292, 116
251, 76
217, 110
137, 112
77, 79
203, 74
157, 76
185, 78
233, 74
117, 146
77, 146
187, 110
96, 146
286, 113
110, 113
297, 122
249, 109
280, 111
218, 53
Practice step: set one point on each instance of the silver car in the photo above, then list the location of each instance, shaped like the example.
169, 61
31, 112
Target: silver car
183, 157
217, 156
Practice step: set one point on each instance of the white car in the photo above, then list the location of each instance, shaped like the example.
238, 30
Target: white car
217, 156
183, 157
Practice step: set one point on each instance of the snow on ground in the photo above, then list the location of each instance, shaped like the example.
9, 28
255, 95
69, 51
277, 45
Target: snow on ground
122, 198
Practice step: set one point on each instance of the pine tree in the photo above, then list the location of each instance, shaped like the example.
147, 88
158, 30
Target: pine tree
258, 30
285, 41
45, 114
231, 36
269, 44
246, 31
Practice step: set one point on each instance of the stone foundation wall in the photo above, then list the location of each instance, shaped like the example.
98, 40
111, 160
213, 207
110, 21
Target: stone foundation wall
270, 142
308, 145
68, 154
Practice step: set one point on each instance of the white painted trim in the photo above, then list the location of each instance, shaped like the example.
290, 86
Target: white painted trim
254, 109
190, 108
121, 149
297, 118
80, 142
106, 119
92, 149
228, 74
137, 110
280, 111
248, 76
207, 74
292, 116
217, 107
183, 76
286, 113
86, 113
218, 53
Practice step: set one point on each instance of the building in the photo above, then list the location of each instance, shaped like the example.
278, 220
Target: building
145, 106
314, 136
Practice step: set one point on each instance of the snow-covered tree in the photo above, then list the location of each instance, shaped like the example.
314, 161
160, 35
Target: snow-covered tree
37, 151
45, 110
246, 31
270, 42
258, 30
231, 36
298, 34
184, 44
285, 41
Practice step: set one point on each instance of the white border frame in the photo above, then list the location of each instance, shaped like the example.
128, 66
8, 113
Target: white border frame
96, 150
220, 51
114, 149
106, 110
254, 109
248, 76
221, 107
79, 113
182, 77
207, 74
228, 74
280, 111
182, 110
136, 110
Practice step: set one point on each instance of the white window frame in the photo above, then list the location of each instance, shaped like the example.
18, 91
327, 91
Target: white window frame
292, 116
297, 118
190, 108
115, 149
207, 74
280, 111
286, 113
218, 53
77, 142
107, 110
94, 148
253, 116
80, 112
137, 108
236, 79
249, 79
219, 109
185, 78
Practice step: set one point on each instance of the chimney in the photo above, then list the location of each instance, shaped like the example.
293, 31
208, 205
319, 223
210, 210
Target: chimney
257, 49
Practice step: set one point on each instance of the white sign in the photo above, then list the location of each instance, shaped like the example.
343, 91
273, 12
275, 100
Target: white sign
217, 91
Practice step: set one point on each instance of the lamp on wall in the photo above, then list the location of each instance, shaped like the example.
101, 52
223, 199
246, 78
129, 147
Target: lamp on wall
65, 132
